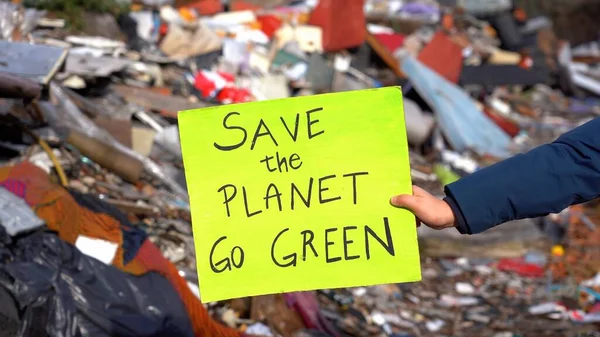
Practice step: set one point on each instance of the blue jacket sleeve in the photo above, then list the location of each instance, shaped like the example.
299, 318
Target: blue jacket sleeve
544, 180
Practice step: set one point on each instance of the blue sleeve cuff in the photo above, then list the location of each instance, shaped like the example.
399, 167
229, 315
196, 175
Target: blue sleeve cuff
461, 223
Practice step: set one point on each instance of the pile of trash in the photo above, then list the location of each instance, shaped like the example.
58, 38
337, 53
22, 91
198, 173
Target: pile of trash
96, 237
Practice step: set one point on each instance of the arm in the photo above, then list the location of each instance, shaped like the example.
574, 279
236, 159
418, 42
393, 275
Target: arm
545, 180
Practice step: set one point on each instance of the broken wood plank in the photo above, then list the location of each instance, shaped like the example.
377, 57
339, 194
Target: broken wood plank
17, 87
167, 105
132, 207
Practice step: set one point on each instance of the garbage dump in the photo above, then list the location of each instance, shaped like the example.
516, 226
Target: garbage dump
96, 235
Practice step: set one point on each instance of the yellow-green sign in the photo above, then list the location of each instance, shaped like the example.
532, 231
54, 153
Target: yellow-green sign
293, 194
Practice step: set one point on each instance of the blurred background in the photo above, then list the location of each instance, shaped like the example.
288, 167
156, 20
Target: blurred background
96, 237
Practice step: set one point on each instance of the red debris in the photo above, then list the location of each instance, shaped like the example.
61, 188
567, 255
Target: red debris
240, 5
443, 56
507, 126
519, 266
343, 23
269, 24
221, 86
391, 41
206, 7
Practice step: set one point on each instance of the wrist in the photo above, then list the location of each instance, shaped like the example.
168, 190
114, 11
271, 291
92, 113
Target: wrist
449, 219
458, 220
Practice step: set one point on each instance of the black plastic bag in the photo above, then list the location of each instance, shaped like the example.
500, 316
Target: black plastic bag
64, 293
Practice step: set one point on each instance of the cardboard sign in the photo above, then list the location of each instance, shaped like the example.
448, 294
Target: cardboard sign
293, 194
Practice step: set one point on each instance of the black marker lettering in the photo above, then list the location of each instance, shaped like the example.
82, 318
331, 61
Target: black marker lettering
248, 214
329, 243
257, 134
388, 235
308, 242
347, 242
277, 195
295, 134
353, 175
241, 260
293, 158
228, 198
281, 162
310, 123
306, 200
323, 189
267, 160
292, 257
224, 261
232, 147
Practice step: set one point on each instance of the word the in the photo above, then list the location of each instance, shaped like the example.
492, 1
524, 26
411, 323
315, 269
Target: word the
262, 130
281, 162
273, 194
332, 236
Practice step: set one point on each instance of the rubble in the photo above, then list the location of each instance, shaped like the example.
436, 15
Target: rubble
91, 173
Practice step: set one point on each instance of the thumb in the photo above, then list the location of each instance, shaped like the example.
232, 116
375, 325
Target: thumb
405, 201
419, 192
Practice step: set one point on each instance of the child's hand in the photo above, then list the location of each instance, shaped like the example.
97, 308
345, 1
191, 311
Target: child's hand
428, 209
